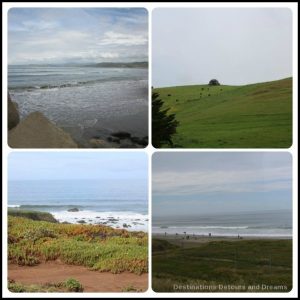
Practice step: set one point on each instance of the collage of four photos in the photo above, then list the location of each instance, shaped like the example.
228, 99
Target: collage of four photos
149, 150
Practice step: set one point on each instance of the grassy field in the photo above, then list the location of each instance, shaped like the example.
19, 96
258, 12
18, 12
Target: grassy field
247, 265
97, 247
250, 116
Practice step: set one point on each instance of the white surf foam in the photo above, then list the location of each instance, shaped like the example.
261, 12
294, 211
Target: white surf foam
134, 221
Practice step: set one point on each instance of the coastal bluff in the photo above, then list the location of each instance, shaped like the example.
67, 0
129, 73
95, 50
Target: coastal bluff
35, 131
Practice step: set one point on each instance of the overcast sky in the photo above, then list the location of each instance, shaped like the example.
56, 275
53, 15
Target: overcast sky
60, 35
234, 45
206, 183
72, 166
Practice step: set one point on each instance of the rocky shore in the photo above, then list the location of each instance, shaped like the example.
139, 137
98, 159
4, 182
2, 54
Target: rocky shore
35, 131
119, 139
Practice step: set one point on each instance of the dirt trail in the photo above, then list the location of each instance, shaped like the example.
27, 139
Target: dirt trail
92, 281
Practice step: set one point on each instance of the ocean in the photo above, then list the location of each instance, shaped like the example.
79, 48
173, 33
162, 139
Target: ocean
85, 101
110, 202
275, 223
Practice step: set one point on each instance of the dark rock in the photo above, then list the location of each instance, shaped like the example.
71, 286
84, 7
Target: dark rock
121, 135
81, 222
129, 146
75, 209
13, 117
113, 139
140, 141
135, 139
112, 219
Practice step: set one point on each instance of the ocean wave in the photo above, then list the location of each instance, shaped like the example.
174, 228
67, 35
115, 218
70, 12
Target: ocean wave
204, 227
41, 206
70, 84
122, 219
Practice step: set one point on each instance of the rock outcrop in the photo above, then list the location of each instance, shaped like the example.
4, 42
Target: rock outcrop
13, 117
36, 131
75, 209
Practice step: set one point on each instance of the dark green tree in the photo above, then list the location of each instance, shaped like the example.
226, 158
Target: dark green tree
163, 124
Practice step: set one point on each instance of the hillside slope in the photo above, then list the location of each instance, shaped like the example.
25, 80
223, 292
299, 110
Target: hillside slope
249, 116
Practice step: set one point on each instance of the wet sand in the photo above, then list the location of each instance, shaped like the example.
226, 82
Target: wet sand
92, 281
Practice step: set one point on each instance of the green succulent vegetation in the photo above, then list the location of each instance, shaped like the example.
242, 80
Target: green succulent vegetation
131, 288
97, 247
70, 285
248, 264
250, 116
73, 285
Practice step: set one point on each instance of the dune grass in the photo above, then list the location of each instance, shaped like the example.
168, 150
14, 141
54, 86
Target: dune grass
97, 247
250, 116
243, 263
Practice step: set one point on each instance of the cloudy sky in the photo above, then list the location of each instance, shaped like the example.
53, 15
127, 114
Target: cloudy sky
234, 45
73, 166
206, 183
60, 35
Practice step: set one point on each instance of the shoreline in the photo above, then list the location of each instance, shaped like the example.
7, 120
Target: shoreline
131, 221
206, 238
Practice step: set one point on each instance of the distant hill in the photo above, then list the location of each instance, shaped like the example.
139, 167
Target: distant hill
136, 64
141, 64
250, 116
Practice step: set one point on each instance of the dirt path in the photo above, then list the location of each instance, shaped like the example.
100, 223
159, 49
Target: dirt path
92, 281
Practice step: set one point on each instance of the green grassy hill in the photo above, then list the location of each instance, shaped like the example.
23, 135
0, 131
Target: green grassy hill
249, 116
247, 265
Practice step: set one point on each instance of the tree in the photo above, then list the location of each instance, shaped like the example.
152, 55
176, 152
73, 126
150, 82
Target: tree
163, 125
214, 82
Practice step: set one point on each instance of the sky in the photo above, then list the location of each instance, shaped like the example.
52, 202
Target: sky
78, 166
64, 35
191, 183
233, 45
